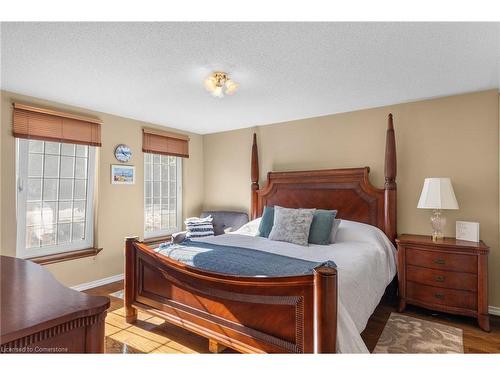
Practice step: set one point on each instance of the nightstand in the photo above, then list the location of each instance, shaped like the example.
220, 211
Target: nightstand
448, 275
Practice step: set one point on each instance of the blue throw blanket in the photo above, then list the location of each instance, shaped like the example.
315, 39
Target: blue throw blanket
238, 261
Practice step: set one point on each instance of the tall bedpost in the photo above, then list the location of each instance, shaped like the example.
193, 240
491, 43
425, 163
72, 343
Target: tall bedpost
390, 181
255, 178
130, 259
325, 309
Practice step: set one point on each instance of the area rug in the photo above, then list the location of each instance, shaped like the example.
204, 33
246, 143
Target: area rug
118, 294
405, 334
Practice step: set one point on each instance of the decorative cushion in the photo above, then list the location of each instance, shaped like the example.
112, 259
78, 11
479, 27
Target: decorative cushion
291, 225
321, 227
335, 229
197, 228
266, 224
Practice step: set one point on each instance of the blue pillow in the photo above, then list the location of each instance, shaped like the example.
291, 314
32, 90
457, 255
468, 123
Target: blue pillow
321, 227
267, 222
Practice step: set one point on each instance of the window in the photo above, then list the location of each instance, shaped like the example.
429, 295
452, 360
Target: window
54, 197
162, 194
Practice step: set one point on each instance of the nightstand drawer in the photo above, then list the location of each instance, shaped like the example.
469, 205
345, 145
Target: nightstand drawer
441, 260
442, 279
441, 296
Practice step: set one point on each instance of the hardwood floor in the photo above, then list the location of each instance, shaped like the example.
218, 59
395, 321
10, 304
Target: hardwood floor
152, 335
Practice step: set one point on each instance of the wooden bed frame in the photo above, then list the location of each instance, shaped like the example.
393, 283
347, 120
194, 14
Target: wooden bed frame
264, 315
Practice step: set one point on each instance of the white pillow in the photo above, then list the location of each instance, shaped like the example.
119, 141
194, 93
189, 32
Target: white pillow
355, 231
335, 228
249, 229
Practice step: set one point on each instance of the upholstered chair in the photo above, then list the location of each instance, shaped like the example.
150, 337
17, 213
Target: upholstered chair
223, 221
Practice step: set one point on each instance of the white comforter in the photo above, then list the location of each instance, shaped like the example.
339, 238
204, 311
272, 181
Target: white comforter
365, 261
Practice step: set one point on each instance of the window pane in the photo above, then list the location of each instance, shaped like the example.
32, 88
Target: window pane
65, 211
32, 237
156, 158
147, 172
82, 150
33, 213
35, 163
65, 189
173, 204
173, 189
81, 168
67, 166
164, 189
78, 210
78, 231
164, 172
80, 189
52, 148
156, 172
49, 213
50, 189
48, 235
156, 190
164, 221
147, 157
63, 233
35, 146
68, 149
173, 220
34, 188
51, 166
148, 186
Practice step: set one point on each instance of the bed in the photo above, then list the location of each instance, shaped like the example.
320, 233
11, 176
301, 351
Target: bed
321, 312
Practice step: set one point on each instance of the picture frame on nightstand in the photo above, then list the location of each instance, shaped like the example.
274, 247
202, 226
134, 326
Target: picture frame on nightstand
467, 231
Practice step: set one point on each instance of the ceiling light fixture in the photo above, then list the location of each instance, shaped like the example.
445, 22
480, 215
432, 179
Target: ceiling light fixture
219, 83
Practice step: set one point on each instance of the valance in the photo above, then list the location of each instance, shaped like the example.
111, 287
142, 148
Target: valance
165, 143
49, 125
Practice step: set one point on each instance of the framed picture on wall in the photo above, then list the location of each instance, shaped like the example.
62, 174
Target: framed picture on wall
122, 174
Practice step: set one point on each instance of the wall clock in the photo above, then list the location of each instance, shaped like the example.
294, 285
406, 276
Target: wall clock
123, 153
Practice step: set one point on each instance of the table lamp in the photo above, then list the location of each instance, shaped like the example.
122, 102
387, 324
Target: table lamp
437, 194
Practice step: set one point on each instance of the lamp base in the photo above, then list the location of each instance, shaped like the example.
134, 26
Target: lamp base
438, 221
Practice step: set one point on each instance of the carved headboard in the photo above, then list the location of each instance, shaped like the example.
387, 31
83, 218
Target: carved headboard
347, 190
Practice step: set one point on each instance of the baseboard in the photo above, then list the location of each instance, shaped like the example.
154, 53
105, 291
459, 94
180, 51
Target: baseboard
96, 283
493, 310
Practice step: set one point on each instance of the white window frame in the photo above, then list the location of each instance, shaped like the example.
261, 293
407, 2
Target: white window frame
166, 232
21, 199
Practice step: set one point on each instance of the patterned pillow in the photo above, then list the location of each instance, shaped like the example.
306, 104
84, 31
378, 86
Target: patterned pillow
197, 228
291, 225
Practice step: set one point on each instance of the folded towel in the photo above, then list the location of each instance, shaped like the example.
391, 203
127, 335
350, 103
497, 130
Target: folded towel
199, 227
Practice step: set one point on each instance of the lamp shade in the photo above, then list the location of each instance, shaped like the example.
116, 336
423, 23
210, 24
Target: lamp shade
438, 193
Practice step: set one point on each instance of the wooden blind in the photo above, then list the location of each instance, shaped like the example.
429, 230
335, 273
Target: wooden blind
48, 125
165, 143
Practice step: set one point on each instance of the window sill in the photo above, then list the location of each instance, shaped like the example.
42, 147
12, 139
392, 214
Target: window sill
62, 257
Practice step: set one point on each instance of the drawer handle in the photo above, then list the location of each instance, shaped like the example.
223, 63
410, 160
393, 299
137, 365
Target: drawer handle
439, 295
439, 261
440, 278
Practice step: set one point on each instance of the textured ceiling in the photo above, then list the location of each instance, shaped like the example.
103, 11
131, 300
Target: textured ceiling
154, 71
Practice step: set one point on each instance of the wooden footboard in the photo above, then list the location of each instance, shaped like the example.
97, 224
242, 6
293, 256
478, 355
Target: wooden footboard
249, 314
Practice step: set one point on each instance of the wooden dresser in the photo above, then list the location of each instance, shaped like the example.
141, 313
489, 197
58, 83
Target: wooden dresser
448, 275
39, 315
